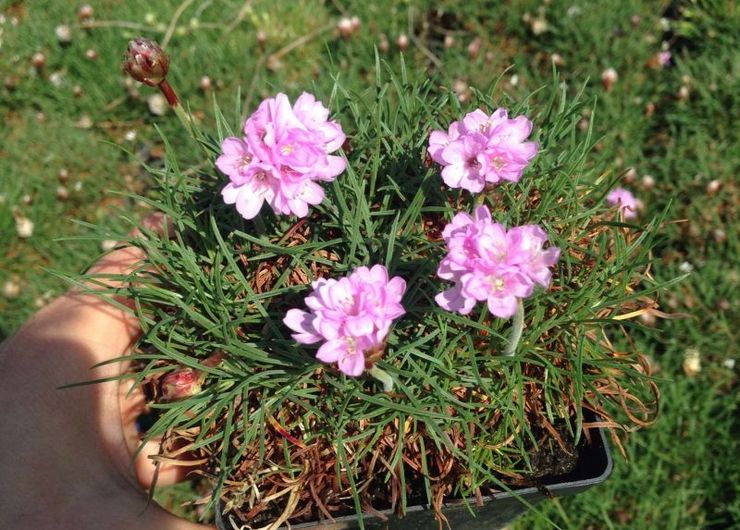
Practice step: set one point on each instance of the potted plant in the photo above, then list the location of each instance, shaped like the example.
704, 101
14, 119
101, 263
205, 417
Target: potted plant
396, 303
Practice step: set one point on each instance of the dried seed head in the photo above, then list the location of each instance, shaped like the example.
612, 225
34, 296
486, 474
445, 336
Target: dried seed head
146, 62
344, 27
608, 78
691, 362
474, 48
402, 42
181, 384
713, 186
157, 104
63, 34
205, 84
63, 175
383, 44
23, 226
107, 245
539, 26
683, 93
649, 109
11, 289
630, 176
514, 80
557, 59
85, 12
449, 41
91, 54
38, 60
648, 182
62, 193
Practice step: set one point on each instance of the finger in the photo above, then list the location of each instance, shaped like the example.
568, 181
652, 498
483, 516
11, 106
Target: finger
133, 404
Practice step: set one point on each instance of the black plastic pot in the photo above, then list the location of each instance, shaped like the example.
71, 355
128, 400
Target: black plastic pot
593, 467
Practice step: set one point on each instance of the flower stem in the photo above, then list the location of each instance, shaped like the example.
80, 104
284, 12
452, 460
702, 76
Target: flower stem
383, 377
169, 94
517, 328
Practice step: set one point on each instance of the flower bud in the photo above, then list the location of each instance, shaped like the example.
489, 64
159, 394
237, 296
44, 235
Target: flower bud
146, 62
449, 42
63, 34
344, 27
38, 60
181, 384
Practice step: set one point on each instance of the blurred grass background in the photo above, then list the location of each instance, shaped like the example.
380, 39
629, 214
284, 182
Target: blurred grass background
73, 136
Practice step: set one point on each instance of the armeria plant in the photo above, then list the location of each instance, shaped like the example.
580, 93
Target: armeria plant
398, 301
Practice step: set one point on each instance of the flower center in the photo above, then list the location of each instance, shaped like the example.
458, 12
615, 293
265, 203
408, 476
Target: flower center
498, 162
287, 149
497, 283
245, 161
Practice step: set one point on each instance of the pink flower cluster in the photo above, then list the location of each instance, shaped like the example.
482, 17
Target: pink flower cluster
489, 263
482, 149
625, 201
353, 315
284, 153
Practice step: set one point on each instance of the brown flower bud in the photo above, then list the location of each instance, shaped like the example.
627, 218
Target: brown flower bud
181, 384
146, 62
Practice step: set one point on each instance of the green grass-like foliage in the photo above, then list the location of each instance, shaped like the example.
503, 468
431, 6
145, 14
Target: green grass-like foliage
285, 437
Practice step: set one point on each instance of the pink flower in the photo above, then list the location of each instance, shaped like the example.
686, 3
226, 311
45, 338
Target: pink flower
489, 263
352, 315
285, 152
483, 149
664, 59
625, 201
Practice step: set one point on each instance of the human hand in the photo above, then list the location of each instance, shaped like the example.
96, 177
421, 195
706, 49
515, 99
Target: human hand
65, 455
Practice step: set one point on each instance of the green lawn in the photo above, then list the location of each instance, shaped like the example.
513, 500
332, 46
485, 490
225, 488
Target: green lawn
676, 126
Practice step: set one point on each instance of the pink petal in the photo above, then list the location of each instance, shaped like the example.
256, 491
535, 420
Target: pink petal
503, 307
352, 364
359, 326
234, 147
230, 193
453, 300
332, 351
302, 322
